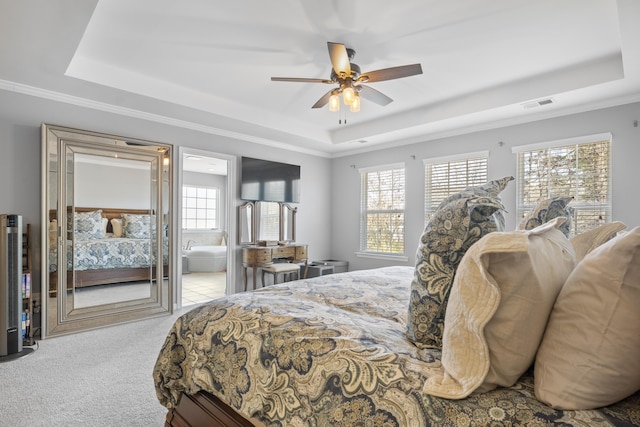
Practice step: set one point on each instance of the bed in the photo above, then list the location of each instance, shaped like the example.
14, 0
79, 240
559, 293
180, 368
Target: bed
104, 252
243, 360
491, 327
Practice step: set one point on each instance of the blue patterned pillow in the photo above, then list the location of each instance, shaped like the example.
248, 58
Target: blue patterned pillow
549, 209
459, 222
138, 226
88, 225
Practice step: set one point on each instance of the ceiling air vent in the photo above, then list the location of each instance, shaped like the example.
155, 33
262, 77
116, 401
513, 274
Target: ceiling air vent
538, 103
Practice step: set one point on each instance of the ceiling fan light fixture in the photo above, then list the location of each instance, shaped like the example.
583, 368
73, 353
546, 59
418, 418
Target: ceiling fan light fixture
334, 102
348, 94
355, 105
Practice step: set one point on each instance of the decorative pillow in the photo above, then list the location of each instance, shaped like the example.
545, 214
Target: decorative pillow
88, 225
138, 226
499, 305
458, 223
116, 225
491, 188
585, 242
546, 210
590, 353
53, 233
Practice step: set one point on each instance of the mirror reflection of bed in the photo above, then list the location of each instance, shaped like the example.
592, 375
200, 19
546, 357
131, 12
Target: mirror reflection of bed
111, 267
204, 265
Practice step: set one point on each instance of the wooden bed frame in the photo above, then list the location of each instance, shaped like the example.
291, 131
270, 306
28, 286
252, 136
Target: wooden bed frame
204, 409
102, 277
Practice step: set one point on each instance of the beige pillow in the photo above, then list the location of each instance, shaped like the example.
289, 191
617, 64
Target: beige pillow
590, 354
53, 233
585, 242
116, 225
500, 301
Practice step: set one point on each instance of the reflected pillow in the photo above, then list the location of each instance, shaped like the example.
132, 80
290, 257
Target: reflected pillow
138, 226
460, 221
116, 226
88, 225
53, 233
590, 353
500, 301
546, 210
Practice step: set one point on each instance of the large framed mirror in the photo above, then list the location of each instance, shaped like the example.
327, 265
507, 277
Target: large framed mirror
107, 247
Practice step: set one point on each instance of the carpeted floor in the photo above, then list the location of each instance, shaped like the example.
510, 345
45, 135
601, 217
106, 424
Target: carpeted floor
94, 378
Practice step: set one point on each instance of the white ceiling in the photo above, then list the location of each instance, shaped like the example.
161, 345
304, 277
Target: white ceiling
206, 64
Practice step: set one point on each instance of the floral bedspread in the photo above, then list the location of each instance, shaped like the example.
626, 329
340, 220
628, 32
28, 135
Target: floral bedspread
332, 351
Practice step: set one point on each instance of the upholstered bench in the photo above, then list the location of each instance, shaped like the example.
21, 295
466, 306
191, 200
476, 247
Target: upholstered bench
285, 268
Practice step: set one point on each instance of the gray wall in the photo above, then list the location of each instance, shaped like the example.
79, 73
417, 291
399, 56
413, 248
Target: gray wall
20, 166
345, 185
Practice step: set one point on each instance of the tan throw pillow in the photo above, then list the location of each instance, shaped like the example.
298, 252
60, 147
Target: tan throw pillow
585, 242
499, 305
546, 210
460, 221
53, 233
116, 225
590, 353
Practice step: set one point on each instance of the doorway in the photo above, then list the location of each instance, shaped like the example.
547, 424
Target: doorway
205, 222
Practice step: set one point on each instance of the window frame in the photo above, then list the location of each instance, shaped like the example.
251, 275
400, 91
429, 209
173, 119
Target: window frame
579, 204
364, 251
216, 209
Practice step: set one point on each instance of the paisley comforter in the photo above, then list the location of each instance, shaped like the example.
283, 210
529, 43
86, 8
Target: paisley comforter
332, 351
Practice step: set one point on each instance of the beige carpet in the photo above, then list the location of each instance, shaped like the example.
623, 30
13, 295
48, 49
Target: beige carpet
93, 378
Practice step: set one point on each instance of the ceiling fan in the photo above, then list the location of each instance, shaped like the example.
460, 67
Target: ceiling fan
350, 79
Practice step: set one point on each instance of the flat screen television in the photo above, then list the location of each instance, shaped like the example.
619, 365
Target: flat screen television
268, 181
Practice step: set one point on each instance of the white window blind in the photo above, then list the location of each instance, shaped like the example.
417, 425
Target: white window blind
382, 210
446, 176
579, 168
199, 207
269, 218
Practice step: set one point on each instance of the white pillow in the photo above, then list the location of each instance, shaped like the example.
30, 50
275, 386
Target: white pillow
590, 354
500, 301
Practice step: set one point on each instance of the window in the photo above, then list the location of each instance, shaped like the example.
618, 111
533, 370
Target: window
445, 176
578, 167
382, 210
199, 207
269, 221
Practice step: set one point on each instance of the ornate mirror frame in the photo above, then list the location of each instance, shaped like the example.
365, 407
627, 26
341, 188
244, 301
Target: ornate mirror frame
65, 152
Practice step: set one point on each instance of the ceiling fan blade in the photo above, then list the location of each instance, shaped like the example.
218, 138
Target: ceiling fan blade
323, 101
300, 80
373, 95
339, 59
391, 73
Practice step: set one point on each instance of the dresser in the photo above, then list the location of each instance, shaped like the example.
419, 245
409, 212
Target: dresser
255, 257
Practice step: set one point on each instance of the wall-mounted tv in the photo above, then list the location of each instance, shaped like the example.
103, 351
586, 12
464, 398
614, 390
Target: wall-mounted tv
268, 181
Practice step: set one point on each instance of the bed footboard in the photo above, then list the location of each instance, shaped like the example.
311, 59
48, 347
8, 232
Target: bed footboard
204, 409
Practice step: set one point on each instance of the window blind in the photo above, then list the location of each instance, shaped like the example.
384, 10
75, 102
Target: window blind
446, 177
382, 210
581, 170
